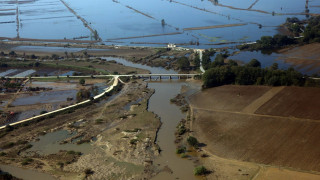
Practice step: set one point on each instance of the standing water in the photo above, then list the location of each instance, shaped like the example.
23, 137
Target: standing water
25, 174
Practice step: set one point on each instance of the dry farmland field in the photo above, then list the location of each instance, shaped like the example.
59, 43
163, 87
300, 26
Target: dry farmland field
276, 126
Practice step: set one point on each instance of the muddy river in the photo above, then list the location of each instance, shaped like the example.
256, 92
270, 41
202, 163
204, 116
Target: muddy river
170, 115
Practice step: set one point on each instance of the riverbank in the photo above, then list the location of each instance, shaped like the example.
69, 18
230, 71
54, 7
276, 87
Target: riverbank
151, 56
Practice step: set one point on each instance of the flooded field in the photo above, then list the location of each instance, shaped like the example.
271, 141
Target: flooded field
52, 143
47, 49
45, 97
304, 59
139, 22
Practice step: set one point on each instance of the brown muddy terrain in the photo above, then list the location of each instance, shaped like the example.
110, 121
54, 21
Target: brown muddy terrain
278, 131
122, 140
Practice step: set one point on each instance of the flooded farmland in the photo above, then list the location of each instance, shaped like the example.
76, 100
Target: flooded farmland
141, 128
141, 22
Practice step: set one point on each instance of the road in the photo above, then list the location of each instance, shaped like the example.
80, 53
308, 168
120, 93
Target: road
115, 83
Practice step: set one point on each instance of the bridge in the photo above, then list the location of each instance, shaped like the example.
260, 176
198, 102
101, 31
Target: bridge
116, 79
169, 76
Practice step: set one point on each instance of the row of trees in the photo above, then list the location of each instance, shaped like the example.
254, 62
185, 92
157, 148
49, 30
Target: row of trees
253, 74
269, 43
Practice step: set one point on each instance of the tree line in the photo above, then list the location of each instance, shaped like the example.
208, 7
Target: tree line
308, 34
252, 74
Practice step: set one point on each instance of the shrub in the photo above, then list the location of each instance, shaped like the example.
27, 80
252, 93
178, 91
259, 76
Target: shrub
192, 141
200, 170
181, 150
71, 152
88, 171
60, 164
82, 81
133, 141
8, 145
99, 121
43, 112
183, 155
182, 130
26, 161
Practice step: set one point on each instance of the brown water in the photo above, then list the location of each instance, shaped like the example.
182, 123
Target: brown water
25, 174
51, 144
170, 115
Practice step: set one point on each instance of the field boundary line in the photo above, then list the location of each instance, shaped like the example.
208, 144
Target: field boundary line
256, 104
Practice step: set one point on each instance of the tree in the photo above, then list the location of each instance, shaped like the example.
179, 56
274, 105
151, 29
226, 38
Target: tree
54, 56
266, 42
33, 56
82, 81
96, 35
192, 141
83, 94
163, 23
85, 53
183, 63
218, 61
196, 61
275, 66
254, 63
232, 63
12, 53
36, 64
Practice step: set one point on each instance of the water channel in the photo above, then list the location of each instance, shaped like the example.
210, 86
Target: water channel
170, 115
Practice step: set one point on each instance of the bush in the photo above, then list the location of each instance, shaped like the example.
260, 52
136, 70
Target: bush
183, 63
181, 150
43, 112
99, 121
192, 141
88, 171
8, 145
9, 128
182, 129
200, 170
26, 161
183, 155
82, 81
60, 164
133, 141
71, 152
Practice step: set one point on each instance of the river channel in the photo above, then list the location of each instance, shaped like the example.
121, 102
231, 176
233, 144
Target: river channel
170, 114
